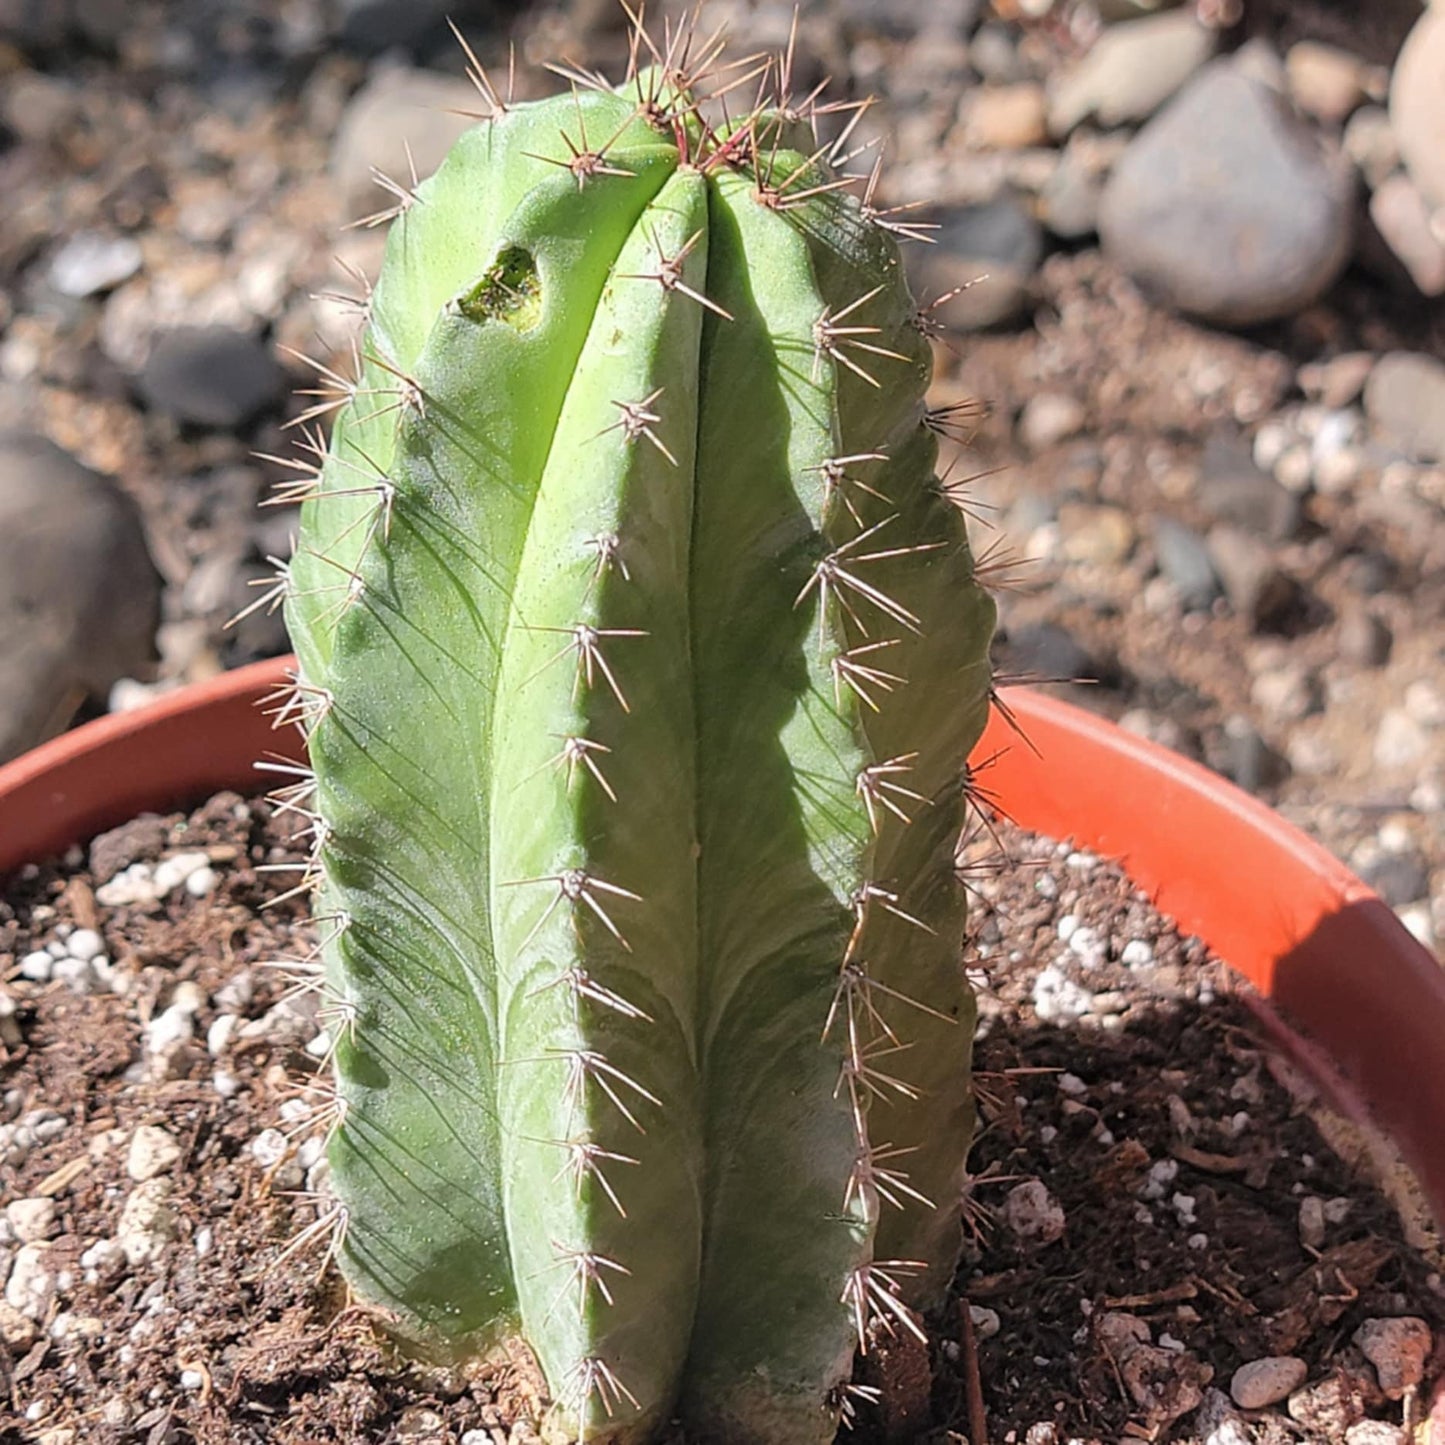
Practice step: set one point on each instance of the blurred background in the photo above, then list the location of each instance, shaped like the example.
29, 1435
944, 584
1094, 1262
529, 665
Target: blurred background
1205, 331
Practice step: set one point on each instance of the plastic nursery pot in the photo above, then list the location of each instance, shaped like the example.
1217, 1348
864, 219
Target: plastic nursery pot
1364, 1002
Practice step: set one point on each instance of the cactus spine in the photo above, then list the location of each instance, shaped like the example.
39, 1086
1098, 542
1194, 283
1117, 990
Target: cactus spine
640, 659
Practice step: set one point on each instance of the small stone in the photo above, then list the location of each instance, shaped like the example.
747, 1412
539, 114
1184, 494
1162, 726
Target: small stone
1425, 703
1229, 206
1327, 1407
1069, 199
142, 837
218, 1036
399, 117
202, 882
1326, 82
1032, 1214
85, 944
1267, 1381
1046, 649
1417, 104
1049, 418
211, 376
18, 1330
1375, 1432
1099, 536
1370, 144
1400, 741
171, 873
1004, 117
32, 1219
1405, 224
1405, 401
1130, 71
90, 263
105, 1261
269, 1148
1233, 489
1256, 586
152, 1152
147, 1222
1338, 381
1288, 694
168, 1028
1398, 1349
32, 1281
1217, 1422
992, 248
1311, 1224
985, 1321
1185, 562
37, 966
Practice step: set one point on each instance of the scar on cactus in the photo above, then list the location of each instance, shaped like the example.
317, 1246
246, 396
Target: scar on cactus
641, 652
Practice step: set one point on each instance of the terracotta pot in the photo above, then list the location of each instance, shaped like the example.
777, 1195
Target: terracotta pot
1367, 1000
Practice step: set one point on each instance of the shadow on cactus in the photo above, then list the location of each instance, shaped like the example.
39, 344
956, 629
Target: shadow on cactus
641, 655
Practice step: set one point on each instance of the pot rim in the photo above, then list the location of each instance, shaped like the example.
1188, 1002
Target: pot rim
1315, 940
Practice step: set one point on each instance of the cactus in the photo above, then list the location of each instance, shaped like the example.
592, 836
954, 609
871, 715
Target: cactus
640, 658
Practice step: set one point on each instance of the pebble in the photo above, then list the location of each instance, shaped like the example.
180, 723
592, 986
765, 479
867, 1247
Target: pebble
1405, 224
104, 1262
1228, 205
147, 1222
211, 376
63, 644
1288, 694
90, 263
1400, 741
32, 1281
1032, 1214
85, 944
1055, 996
993, 248
1370, 144
1130, 71
32, 1220
1003, 117
141, 837
1328, 1407
172, 1026
1048, 418
1327, 82
1256, 586
1417, 104
1046, 649
152, 1152
1184, 560
1375, 1432
1099, 536
1312, 1222
1267, 1381
1232, 488
398, 108
37, 966
1398, 1349
1338, 381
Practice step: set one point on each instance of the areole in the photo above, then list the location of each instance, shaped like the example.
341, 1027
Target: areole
1356, 1000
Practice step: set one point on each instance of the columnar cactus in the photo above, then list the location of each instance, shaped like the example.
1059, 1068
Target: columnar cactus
640, 660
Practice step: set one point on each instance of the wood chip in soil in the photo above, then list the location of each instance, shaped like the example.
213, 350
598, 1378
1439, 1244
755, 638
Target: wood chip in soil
1150, 1206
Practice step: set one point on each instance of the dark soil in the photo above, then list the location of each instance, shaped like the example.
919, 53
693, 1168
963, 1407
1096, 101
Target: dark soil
1154, 1118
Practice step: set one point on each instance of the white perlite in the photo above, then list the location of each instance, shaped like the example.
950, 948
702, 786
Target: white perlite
1032, 1214
152, 1152
147, 1222
32, 1281
31, 1219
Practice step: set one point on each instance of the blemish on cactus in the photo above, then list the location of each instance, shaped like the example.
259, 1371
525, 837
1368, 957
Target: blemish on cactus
641, 656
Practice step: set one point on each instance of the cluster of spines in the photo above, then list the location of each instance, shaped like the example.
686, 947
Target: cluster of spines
838, 586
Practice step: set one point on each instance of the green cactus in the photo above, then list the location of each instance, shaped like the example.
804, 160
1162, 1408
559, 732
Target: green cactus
640, 659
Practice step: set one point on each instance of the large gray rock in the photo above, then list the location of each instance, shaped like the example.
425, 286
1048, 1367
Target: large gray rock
397, 109
1229, 206
79, 594
1417, 104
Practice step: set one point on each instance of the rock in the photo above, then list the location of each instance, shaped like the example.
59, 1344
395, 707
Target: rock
211, 376
1217, 1422
1405, 400
147, 1222
32, 1281
1364, 638
1184, 562
1098, 536
1227, 205
1311, 1226
1232, 489
1326, 82
1047, 650
1370, 143
1398, 1349
1256, 587
79, 594
1375, 1432
1003, 117
18, 1330
1032, 1214
396, 109
142, 837
1266, 1382
372, 27
152, 1152
1338, 381
1287, 695
1069, 200
1417, 104
993, 249
1328, 1407
1130, 71
1404, 223
32, 1219
1400, 741
1246, 759
1048, 418
90, 263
